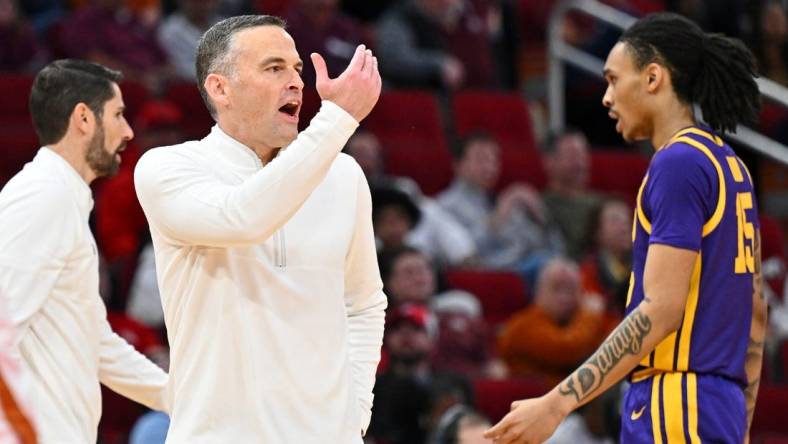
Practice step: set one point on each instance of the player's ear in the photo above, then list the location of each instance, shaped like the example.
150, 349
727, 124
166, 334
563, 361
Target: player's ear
655, 76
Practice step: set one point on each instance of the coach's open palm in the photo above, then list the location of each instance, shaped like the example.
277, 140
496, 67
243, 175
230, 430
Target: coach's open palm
530, 421
357, 89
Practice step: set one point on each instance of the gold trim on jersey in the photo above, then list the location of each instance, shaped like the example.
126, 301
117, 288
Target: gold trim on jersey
698, 132
716, 217
656, 423
644, 222
689, 316
673, 407
631, 287
692, 408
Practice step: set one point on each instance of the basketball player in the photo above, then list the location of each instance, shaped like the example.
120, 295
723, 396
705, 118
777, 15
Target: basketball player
692, 341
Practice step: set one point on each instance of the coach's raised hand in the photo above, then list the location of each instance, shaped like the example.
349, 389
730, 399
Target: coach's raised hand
357, 89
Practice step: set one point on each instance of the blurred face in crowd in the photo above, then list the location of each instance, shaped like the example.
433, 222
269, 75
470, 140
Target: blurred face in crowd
110, 136
615, 225
481, 164
365, 148
408, 343
626, 96
392, 223
412, 278
570, 163
558, 290
259, 97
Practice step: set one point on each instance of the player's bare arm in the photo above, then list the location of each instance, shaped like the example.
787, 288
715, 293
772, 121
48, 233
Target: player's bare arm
666, 284
754, 358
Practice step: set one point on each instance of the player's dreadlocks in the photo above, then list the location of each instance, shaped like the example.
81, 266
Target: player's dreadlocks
712, 70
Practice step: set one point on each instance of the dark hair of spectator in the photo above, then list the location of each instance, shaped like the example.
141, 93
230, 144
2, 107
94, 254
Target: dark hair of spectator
448, 427
61, 86
214, 51
712, 70
462, 144
388, 257
550, 145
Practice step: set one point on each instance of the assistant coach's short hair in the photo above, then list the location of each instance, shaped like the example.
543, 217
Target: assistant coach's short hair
214, 49
63, 84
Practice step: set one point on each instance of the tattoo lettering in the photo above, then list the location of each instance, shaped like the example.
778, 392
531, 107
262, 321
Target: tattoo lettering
627, 339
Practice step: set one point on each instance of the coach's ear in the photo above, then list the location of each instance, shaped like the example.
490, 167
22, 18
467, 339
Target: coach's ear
82, 119
218, 87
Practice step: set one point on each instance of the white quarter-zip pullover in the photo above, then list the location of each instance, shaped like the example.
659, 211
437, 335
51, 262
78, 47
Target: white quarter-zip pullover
270, 286
49, 280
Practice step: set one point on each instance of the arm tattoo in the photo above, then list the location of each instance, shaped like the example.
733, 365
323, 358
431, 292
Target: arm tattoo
627, 339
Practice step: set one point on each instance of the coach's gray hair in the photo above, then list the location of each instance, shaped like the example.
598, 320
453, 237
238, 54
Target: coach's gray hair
214, 53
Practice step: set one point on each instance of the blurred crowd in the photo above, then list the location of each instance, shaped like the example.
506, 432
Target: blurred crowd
554, 249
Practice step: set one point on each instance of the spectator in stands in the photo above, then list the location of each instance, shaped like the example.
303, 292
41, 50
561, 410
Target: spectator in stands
605, 271
460, 424
410, 395
770, 40
319, 26
393, 215
437, 233
557, 332
464, 337
181, 31
19, 51
463, 344
106, 32
412, 48
514, 231
568, 165
407, 275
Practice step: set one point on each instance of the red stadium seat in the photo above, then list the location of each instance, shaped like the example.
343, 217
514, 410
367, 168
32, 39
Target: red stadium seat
521, 166
273, 7
408, 124
15, 91
618, 172
494, 397
503, 115
500, 293
771, 439
199, 121
770, 411
17, 147
135, 94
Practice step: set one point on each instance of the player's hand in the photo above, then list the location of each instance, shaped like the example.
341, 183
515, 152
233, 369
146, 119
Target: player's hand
529, 421
357, 89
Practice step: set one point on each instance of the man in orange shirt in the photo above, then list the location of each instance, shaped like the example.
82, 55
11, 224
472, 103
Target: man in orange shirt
553, 335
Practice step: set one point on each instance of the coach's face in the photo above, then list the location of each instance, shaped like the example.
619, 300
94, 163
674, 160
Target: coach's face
265, 87
110, 136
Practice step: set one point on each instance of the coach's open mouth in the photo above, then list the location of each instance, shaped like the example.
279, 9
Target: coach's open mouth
290, 108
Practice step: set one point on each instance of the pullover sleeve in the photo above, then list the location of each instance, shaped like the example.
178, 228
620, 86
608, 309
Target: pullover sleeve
127, 371
190, 206
365, 302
